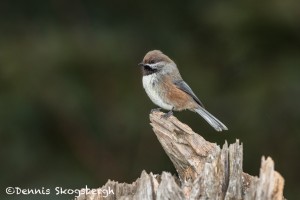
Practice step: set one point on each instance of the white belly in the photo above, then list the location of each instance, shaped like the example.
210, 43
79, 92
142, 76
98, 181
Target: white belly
149, 86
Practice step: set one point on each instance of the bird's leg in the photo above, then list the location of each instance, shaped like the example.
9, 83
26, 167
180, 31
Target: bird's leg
155, 110
168, 114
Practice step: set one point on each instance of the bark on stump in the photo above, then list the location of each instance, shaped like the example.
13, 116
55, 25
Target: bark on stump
205, 171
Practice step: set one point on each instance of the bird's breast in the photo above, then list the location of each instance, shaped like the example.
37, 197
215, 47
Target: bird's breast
153, 89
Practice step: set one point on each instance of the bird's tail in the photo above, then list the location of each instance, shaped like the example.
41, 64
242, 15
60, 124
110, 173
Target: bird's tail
214, 122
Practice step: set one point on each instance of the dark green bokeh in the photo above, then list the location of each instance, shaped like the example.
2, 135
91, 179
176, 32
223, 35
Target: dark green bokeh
73, 110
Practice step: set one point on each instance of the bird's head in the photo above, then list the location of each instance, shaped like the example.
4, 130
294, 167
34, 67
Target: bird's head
155, 61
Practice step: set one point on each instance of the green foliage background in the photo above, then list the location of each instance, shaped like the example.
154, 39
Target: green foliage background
72, 108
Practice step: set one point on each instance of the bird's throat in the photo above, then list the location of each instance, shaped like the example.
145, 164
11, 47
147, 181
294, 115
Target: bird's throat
147, 70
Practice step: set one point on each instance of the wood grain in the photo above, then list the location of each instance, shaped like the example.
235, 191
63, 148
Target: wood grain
205, 170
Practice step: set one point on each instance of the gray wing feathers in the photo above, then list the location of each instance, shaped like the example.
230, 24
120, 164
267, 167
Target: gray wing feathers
186, 88
213, 121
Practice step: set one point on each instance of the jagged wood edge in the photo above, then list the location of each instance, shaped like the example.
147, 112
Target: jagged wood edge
205, 170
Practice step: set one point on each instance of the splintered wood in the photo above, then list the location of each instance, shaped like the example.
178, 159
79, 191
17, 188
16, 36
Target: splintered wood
205, 171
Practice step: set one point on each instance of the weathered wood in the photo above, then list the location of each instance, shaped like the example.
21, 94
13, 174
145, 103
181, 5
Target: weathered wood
205, 171
269, 185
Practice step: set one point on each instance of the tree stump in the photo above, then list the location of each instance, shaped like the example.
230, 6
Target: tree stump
205, 171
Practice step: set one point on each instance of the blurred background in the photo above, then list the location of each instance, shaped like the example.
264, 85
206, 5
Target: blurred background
73, 111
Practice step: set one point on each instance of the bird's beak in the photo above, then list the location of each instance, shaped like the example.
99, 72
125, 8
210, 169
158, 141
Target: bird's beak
141, 64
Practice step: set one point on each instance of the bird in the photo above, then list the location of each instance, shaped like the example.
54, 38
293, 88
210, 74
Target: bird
166, 88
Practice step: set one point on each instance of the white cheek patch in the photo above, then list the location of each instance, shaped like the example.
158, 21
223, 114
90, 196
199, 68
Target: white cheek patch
149, 83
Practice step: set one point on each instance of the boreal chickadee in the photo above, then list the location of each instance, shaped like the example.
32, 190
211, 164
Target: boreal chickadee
165, 87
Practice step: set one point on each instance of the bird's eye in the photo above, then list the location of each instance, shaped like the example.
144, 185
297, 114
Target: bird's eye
152, 62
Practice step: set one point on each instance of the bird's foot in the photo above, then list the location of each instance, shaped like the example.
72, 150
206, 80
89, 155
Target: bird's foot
155, 110
168, 114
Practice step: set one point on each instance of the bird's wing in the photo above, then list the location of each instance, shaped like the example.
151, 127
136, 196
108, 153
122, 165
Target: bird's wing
186, 88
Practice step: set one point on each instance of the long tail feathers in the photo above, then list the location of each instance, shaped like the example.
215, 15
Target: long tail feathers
214, 122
